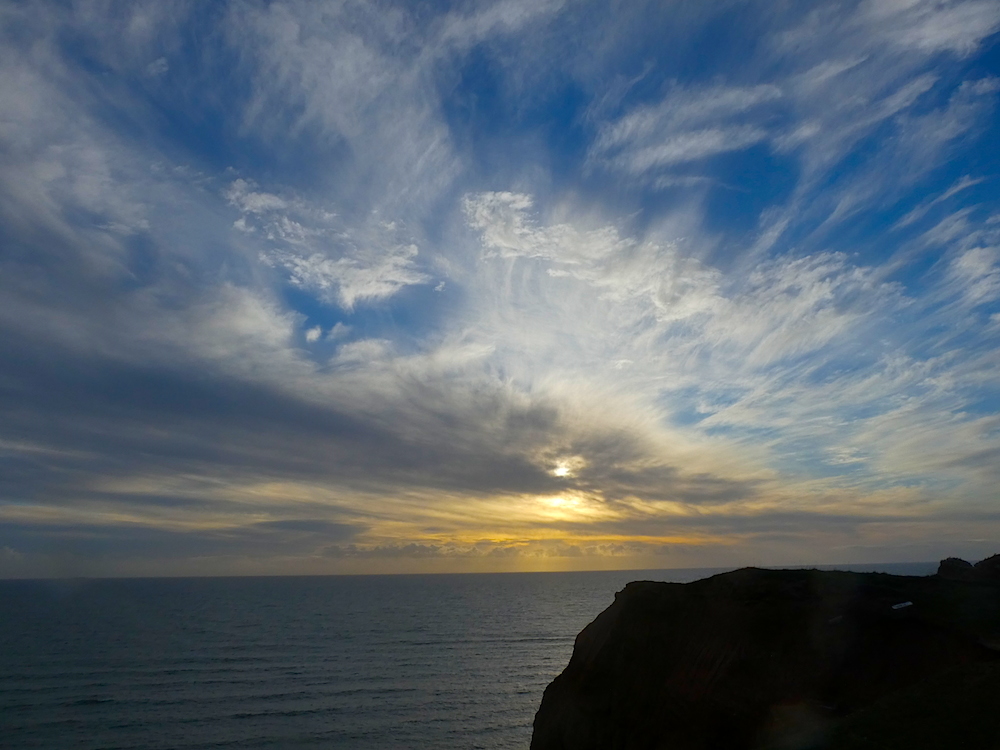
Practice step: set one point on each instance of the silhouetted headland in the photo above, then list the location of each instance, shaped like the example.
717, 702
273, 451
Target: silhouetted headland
786, 659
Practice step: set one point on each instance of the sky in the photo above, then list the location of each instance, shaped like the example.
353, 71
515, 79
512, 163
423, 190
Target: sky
374, 287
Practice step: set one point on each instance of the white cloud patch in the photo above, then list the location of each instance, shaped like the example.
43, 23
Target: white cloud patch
866, 81
921, 210
687, 126
247, 199
339, 331
364, 75
977, 273
158, 67
467, 28
366, 352
690, 146
366, 276
930, 25
781, 309
340, 265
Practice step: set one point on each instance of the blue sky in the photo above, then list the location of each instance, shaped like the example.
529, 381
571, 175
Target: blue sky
341, 287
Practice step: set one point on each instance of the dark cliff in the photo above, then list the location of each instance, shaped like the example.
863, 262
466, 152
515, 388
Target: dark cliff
786, 659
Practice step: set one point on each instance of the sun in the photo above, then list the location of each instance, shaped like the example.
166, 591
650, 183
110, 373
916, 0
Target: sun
568, 466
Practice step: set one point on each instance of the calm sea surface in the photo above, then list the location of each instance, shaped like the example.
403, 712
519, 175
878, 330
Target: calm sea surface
320, 662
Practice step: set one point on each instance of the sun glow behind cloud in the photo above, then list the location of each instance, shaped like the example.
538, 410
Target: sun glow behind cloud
357, 289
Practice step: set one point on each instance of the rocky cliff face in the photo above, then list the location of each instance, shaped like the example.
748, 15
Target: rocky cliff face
956, 569
782, 659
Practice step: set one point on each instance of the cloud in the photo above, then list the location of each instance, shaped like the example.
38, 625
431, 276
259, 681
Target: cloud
158, 67
920, 211
320, 254
248, 200
931, 26
354, 75
758, 354
977, 273
782, 309
622, 269
488, 19
674, 131
690, 146
870, 82
366, 277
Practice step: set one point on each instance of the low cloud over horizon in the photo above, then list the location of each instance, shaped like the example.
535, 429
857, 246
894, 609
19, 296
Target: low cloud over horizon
361, 287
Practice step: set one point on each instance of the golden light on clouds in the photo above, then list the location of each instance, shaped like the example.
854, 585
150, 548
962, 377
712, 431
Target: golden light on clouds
568, 466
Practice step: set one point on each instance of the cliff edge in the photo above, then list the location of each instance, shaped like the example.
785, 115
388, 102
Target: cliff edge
786, 659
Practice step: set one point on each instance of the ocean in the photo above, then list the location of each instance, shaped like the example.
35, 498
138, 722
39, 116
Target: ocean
435, 661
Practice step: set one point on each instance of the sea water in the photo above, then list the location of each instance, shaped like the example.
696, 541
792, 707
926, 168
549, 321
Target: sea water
437, 661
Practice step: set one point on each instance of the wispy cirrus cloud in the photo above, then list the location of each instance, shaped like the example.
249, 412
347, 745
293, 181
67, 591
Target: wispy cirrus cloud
320, 254
365, 79
758, 354
686, 126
